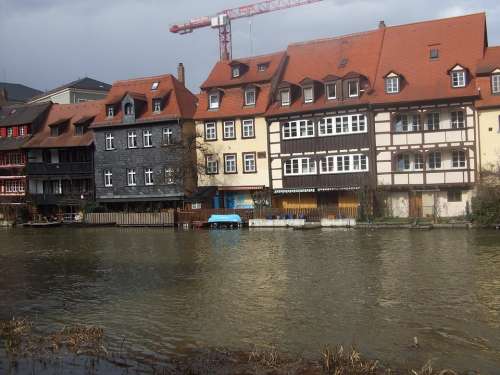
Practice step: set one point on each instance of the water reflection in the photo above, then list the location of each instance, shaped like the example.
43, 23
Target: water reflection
166, 290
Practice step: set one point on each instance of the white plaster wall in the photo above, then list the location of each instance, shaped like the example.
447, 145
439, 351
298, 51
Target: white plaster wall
399, 204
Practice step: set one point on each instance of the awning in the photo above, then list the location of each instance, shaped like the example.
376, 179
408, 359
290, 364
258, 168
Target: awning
339, 188
240, 188
291, 191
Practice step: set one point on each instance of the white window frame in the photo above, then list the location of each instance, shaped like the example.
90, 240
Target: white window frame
349, 124
295, 167
167, 136
108, 178
132, 139
111, 111
170, 176
226, 126
418, 161
392, 85
235, 71
22, 132
248, 91
214, 104
211, 164
308, 94
350, 163
298, 129
285, 97
147, 138
404, 159
157, 106
349, 85
408, 122
436, 159
10, 132
248, 128
458, 159
129, 109
249, 162
435, 126
231, 160
458, 78
210, 129
495, 83
148, 177
109, 141
457, 119
328, 87
131, 177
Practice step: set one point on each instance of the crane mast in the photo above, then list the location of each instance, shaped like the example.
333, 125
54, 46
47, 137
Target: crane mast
222, 20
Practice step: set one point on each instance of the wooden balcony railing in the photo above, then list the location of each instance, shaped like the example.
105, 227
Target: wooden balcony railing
59, 168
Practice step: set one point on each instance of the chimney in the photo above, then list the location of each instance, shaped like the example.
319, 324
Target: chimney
381, 24
181, 75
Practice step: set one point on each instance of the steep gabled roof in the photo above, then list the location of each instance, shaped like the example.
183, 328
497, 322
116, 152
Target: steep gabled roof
22, 114
338, 57
17, 92
485, 67
70, 114
221, 75
406, 50
490, 62
181, 103
85, 83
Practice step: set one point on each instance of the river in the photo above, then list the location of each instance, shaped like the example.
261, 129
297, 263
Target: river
164, 291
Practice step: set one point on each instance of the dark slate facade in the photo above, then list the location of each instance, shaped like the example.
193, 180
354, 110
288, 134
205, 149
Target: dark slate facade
121, 159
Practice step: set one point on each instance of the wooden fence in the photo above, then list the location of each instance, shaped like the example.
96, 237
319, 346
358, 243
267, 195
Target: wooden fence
310, 214
158, 219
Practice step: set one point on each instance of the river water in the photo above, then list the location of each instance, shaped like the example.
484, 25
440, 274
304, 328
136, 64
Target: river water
163, 291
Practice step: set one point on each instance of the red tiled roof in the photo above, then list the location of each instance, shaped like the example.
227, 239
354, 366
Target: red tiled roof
71, 113
232, 103
486, 66
221, 74
181, 102
406, 50
327, 58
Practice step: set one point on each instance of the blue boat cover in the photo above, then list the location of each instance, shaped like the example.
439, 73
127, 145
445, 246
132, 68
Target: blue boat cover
224, 219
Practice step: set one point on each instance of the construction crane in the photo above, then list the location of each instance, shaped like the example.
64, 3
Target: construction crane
222, 20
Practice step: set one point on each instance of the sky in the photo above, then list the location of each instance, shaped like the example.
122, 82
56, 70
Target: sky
47, 43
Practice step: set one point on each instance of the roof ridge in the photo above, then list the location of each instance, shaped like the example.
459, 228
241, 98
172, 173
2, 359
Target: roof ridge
329, 39
141, 79
437, 20
259, 56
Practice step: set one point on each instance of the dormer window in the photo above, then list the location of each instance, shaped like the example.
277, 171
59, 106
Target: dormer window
79, 130
392, 84
154, 85
213, 100
308, 93
156, 105
250, 96
129, 109
262, 67
331, 90
10, 132
54, 131
495, 83
236, 71
285, 97
458, 77
111, 111
353, 88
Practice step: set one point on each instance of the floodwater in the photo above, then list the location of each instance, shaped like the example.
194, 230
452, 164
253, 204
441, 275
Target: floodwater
163, 291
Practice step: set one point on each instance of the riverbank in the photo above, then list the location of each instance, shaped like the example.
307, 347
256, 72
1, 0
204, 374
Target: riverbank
82, 350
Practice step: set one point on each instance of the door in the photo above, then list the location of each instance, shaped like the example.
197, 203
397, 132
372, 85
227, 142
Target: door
415, 209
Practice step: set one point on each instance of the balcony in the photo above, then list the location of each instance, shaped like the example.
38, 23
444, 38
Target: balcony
59, 168
70, 199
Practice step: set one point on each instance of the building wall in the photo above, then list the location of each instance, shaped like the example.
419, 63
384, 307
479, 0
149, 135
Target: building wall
489, 131
317, 147
120, 159
71, 96
390, 143
239, 146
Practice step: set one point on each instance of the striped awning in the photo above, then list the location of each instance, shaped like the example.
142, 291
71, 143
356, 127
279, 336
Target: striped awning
291, 191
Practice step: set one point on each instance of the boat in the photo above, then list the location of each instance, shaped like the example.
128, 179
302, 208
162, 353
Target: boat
225, 221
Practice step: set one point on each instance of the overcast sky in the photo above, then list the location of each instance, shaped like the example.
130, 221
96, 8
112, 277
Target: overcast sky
46, 43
